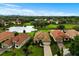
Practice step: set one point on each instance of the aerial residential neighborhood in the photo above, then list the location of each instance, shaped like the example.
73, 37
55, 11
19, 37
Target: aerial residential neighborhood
41, 32
27, 38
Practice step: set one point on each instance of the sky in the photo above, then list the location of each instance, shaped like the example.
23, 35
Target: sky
40, 9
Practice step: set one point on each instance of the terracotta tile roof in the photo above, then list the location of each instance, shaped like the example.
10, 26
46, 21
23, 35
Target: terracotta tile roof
66, 36
20, 38
57, 34
78, 33
4, 35
42, 36
8, 42
72, 33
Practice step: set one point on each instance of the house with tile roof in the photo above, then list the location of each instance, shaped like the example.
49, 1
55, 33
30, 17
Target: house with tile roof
18, 41
72, 33
6, 36
7, 44
45, 39
59, 36
18, 21
41, 36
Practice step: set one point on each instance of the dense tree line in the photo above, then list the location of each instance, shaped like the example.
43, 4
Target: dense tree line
41, 22
70, 19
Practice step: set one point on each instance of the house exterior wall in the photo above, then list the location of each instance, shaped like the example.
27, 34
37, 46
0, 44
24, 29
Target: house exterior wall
36, 41
6, 46
67, 39
46, 43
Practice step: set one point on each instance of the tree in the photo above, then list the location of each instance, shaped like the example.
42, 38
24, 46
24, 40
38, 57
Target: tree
74, 48
40, 23
0, 45
1, 25
61, 27
16, 33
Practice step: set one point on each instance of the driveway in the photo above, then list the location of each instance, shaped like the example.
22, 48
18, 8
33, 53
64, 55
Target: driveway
47, 49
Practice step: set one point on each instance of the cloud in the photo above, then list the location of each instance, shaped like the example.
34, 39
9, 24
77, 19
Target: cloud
11, 9
9, 5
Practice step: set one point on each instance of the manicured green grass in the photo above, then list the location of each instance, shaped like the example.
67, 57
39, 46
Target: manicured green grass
19, 52
7, 53
51, 26
31, 34
67, 26
44, 30
36, 50
27, 24
15, 52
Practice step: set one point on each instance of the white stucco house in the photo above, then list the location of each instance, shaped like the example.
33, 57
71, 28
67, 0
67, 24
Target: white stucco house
20, 29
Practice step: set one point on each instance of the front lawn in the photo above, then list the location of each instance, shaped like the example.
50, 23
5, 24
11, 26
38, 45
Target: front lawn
15, 52
7, 53
35, 50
